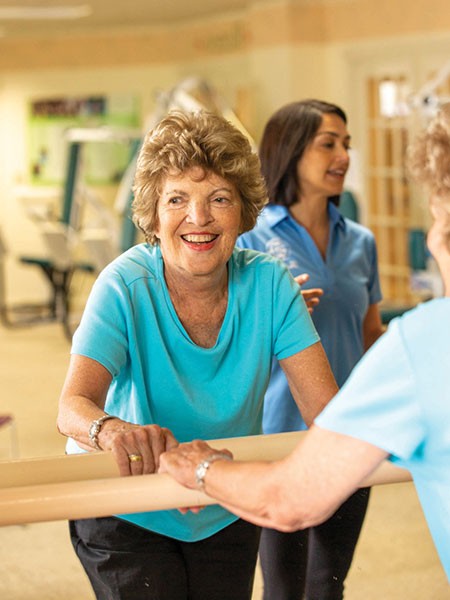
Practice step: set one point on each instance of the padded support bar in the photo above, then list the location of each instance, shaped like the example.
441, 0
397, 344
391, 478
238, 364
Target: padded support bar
87, 485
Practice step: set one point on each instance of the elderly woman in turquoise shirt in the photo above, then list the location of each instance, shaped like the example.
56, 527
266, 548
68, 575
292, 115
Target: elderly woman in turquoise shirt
305, 156
176, 343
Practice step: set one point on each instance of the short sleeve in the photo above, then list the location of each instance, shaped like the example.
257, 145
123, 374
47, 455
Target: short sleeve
101, 334
378, 403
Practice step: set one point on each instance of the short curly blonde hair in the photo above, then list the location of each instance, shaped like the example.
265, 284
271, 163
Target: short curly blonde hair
184, 140
428, 158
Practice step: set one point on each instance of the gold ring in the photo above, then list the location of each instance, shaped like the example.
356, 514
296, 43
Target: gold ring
134, 457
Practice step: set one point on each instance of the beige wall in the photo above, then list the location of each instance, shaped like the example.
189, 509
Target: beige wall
257, 60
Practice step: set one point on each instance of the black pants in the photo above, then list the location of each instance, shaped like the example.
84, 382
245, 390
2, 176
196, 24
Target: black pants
313, 562
126, 562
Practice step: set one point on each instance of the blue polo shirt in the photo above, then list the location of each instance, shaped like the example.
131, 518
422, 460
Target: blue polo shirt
349, 279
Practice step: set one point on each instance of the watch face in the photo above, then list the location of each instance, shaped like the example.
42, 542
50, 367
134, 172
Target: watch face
200, 473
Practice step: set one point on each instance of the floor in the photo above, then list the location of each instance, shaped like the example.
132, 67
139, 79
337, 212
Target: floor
395, 558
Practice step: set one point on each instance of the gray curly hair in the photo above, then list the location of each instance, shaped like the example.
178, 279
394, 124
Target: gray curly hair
184, 140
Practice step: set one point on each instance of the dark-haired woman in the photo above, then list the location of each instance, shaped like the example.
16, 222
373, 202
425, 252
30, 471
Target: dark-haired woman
304, 156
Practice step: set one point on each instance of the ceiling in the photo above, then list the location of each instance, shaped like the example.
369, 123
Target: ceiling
101, 14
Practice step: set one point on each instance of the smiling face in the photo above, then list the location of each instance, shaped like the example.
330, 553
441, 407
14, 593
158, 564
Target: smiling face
322, 168
199, 219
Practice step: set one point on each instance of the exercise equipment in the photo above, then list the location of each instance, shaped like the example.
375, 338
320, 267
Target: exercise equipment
87, 485
66, 238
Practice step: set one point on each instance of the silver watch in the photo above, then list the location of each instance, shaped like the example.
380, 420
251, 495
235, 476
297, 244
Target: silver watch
94, 429
202, 467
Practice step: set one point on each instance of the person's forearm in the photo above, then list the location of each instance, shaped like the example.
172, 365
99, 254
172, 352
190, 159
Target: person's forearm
325, 390
299, 491
82, 399
75, 417
310, 380
226, 481
260, 493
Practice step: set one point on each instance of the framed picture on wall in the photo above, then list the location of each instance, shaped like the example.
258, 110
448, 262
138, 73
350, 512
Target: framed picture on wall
51, 118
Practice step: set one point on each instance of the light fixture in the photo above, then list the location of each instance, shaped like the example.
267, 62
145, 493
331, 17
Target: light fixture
12, 13
388, 92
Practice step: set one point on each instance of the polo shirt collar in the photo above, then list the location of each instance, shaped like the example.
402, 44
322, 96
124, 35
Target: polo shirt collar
336, 218
278, 213
275, 213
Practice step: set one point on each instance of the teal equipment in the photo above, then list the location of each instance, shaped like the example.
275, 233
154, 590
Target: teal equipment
64, 237
417, 249
348, 206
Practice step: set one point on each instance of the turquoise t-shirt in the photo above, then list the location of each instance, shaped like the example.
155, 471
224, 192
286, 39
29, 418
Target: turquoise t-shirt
398, 398
160, 376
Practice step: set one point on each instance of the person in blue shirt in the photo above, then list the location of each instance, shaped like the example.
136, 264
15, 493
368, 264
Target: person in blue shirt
305, 156
395, 405
176, 343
